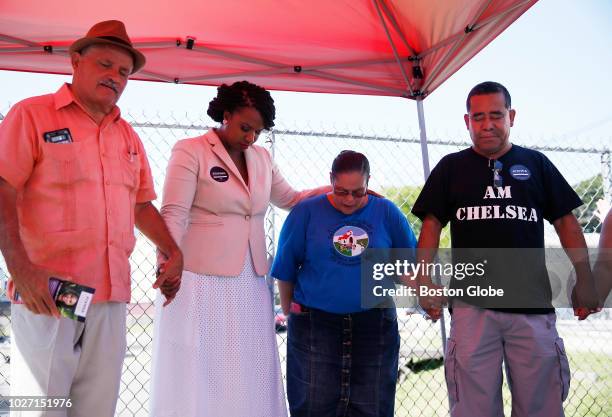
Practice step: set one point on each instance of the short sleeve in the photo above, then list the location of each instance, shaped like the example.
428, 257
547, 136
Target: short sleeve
561, 198
291, 245
19, 148
433, 198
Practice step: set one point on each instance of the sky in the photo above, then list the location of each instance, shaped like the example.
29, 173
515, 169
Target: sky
555, 60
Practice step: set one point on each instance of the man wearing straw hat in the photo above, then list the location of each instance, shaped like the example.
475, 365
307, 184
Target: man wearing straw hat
74, 181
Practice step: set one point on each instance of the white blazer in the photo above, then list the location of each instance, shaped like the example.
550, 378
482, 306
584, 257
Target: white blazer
210, 211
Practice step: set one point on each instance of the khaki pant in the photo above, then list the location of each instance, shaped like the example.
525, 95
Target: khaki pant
536, 364
64, 357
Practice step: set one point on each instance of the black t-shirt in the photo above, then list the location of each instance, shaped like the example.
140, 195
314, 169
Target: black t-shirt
506, 212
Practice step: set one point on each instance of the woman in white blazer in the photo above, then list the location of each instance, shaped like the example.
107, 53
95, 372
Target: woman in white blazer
215, 350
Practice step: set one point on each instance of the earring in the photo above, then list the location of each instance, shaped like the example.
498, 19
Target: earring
224, 121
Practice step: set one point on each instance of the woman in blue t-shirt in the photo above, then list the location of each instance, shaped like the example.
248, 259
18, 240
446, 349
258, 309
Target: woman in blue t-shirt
340, 355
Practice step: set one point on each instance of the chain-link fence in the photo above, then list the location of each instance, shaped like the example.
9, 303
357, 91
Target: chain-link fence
304, 157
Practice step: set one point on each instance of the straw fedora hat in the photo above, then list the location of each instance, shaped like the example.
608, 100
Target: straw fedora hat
110, 32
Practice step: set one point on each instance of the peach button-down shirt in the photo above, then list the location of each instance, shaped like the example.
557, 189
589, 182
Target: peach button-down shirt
75, 201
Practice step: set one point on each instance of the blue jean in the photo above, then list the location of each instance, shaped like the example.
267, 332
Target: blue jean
342, 364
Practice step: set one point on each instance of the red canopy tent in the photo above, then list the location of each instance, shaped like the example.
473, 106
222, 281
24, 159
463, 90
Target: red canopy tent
403, 48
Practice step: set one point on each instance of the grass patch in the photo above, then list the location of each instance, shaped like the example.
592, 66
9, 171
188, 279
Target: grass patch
424, 394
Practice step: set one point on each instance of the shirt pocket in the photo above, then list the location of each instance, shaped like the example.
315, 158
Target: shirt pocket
130, 171
71, 163
60, 162
61, 151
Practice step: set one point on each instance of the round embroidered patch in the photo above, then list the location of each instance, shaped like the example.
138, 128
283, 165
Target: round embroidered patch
350, 241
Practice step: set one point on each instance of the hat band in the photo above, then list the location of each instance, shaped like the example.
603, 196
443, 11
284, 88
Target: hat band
114, 39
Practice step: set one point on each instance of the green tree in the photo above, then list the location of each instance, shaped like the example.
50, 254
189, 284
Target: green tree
404, 197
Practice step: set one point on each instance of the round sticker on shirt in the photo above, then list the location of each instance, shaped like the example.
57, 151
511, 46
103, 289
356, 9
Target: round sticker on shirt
350, 240
219, 174
520, 172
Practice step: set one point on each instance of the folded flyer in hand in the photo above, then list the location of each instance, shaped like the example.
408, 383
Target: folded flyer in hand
72, 299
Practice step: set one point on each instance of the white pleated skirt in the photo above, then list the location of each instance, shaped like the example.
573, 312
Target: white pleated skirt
214, 350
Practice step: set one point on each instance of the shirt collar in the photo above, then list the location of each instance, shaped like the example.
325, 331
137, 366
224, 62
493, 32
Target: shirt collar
64, 97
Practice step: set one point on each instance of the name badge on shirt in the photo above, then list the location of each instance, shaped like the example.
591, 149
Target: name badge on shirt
58, 136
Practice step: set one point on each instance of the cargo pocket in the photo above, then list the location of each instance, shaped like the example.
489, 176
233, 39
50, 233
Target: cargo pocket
564, 370
450, 364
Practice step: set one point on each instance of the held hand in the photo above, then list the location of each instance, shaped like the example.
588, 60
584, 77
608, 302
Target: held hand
584, 300
584, 294
582, 313
32, 284
433, 314
433, 304
169, 276
170, 288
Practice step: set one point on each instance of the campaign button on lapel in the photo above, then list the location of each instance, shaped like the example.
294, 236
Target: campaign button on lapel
219, 174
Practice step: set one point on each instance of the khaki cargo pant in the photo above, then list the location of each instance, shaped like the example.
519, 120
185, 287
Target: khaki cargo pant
537, 368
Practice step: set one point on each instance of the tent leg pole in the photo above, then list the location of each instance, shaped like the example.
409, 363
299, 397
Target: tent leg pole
426, 171
423, 131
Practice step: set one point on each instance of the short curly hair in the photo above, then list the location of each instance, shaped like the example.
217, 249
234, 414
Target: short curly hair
243, 94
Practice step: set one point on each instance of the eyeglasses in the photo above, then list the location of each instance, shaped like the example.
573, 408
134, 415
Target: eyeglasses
355, 193
496, 166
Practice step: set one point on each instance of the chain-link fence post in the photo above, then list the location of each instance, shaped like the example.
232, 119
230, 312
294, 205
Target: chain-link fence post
606, 174
271, 231
270, 227
426, 171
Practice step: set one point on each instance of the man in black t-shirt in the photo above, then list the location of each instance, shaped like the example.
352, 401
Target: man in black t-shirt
496, 195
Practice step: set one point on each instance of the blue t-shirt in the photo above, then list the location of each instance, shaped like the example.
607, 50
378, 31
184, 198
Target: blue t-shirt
320, 249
